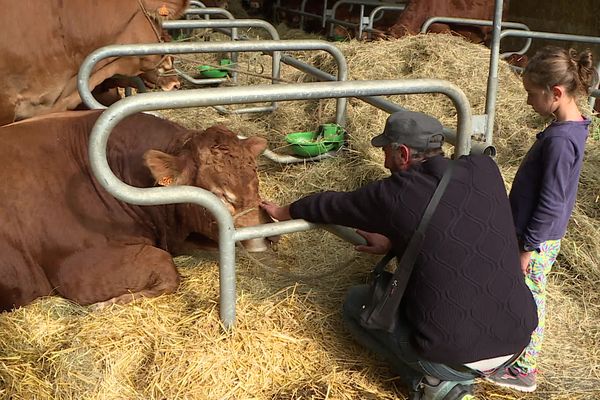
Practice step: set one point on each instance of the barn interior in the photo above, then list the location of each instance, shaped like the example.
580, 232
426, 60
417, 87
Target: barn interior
289, 341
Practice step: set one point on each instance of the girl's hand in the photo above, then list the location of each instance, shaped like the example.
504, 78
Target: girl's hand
275, 211
376, 243
525, 258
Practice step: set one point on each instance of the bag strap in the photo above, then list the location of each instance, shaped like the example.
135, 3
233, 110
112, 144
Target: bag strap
407, 261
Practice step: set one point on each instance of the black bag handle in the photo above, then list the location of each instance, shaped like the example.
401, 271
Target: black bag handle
407, 261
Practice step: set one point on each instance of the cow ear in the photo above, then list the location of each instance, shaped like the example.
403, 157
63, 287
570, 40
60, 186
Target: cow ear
256, 145
167, 169
166, 9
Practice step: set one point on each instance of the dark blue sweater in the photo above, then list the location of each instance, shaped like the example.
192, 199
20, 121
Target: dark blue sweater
545, 187
466, 299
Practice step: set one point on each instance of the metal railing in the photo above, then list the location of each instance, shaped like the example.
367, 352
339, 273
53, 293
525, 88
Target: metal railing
498, 35
194, 24
369, 28
228, 234
273, 47
361, 22
480, 22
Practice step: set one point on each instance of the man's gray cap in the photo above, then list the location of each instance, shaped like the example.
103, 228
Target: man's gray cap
413, 129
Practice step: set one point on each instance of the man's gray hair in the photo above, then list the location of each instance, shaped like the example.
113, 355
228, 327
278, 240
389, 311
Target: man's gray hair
419, 154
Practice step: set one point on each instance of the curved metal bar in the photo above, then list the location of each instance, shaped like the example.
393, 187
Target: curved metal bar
381, 9
299, 11
207, 11
549, 36
207, 47
479, 22
490, 106
201, 81
477, 146
333, 21
231, 23
242, 23
197, 4
234, 95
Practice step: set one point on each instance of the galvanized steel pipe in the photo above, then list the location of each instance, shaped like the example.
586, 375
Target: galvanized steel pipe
493, 77
235, 95
379, 9
333, 21
379, 102
479, 22
207, 47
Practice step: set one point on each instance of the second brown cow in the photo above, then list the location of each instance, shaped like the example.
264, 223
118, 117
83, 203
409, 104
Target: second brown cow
63, 234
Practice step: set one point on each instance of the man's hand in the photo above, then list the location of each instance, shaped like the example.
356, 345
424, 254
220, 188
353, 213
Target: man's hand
376, 243
275, 211
525, 258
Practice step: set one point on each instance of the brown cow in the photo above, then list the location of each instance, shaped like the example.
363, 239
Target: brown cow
44, 43
63, 234
418, 11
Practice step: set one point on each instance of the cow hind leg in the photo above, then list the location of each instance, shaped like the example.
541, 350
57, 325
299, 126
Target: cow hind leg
21, 279
117, 274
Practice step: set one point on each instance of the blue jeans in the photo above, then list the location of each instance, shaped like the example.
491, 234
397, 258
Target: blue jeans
395, 347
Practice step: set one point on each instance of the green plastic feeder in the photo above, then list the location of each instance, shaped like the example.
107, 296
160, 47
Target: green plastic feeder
208, 71
327, 138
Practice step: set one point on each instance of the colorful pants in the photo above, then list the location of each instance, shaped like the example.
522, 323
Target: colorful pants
536, 279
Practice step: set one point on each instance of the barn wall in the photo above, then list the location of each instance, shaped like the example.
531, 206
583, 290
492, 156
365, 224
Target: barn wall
578, 17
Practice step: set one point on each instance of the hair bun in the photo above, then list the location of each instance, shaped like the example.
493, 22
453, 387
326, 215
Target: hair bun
584, 59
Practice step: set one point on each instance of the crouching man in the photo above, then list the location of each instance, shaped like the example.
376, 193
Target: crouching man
466, 310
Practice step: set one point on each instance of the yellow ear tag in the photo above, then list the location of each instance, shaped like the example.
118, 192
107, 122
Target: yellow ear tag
163, 11
165, 181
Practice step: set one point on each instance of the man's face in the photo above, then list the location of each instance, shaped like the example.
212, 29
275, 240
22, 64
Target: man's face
395, 158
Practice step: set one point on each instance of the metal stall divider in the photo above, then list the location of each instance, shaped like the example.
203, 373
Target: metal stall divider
232, 24
300, 11
498, 35
207, 12
196, 3
477, 146
380, 9
207, 47
480, 22
361, 22
228, 234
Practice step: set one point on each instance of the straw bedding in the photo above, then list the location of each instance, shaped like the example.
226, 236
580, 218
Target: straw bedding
289, 341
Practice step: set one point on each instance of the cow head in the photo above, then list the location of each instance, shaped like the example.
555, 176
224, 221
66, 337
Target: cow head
218, 161
165, 9
164, 77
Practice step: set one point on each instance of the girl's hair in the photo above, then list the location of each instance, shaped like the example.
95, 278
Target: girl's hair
552, 66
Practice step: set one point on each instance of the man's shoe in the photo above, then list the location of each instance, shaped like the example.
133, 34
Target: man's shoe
448, 390
511, 378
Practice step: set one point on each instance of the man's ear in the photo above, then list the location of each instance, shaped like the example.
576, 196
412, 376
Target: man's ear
404, 154
168, 169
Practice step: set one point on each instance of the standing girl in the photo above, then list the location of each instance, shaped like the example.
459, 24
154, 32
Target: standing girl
545, 186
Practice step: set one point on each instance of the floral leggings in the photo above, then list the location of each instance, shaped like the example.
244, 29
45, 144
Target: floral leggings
536, 279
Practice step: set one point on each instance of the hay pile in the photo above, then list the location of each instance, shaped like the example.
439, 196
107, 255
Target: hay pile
289, 342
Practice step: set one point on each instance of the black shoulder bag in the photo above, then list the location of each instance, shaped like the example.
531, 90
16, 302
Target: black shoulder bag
387, 289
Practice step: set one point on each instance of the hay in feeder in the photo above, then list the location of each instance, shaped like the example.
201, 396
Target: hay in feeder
289, 342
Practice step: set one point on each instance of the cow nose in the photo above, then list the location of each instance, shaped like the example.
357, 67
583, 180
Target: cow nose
174, 85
